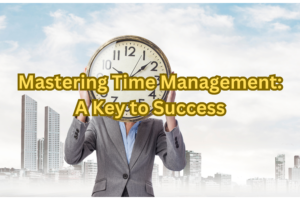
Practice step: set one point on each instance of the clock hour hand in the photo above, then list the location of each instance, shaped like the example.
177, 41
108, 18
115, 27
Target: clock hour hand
142, 68
118, 71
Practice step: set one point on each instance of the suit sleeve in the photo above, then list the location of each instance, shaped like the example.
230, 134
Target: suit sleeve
80, 141
170, 148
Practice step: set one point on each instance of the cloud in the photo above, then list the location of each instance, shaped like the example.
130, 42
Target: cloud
2, 22
280, 27
64, 32
270, 13
198, 42
258, 15
13, 45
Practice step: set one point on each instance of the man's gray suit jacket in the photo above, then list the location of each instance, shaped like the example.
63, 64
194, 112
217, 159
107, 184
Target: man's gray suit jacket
114, 173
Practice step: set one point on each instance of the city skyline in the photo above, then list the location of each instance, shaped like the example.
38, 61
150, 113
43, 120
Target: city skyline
86, 172
52, 130
52, 125
44, 154
192, 169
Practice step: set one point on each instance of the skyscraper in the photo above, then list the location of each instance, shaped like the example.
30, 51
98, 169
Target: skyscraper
29, 134
280, 167
223, 179
193, 164
61, 155
167, 172
51, 140
40, 154
297, 161
79, 167
155, 174
294, 173
90, 171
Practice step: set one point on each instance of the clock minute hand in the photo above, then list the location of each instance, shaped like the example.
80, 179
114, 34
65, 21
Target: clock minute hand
142, 68
120, 72
136, 65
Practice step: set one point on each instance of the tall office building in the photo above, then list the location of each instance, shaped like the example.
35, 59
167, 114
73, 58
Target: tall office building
51, 141
193, 164
40, 154
176, 174
79, 167
297, 161
167, 172
61, 155
90, 171
280, 167
29, 134
223, 179
294, 174
155, 174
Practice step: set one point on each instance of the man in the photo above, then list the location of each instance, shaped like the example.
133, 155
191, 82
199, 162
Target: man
125, 151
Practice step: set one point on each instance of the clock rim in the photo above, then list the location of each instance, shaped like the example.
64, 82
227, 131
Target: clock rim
138, 39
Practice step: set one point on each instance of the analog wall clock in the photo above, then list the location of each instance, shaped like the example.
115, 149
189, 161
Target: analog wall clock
135, 56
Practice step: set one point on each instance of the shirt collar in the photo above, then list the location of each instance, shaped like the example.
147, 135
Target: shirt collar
134, 127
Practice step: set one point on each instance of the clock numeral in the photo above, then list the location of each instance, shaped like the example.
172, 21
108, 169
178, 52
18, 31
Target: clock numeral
152, 94
114, 98
132, 53
144, 54
157, 78
140, 100
154, 68
103, 95
115, 54
107, 64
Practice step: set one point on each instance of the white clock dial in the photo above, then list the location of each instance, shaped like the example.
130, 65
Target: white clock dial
136, 59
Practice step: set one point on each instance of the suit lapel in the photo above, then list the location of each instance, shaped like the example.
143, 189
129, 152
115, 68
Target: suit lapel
142, 136
115, 135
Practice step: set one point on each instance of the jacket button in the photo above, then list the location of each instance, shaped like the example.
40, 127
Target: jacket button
77, 131
125, 176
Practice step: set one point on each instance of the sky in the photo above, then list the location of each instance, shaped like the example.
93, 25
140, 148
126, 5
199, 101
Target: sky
198, 40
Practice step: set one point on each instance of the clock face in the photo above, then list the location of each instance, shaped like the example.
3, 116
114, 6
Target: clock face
136, 58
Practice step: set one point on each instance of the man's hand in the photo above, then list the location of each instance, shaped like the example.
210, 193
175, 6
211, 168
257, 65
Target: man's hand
171, 121
84, 95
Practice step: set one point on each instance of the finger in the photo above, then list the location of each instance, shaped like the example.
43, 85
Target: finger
172, 73
85, 69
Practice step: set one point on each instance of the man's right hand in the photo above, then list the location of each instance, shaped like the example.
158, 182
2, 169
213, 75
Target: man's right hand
84, 95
